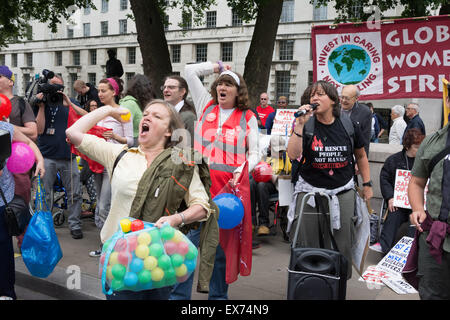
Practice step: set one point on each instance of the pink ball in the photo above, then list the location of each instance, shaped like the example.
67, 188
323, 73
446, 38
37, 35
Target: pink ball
132, 243
22, 158
121, 244
182, 248
170, 247
124, 257
183, 278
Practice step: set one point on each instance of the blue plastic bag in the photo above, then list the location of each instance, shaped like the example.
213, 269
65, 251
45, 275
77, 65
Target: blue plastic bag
41, 251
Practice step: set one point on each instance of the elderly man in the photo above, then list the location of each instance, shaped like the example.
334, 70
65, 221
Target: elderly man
398, 125
412, 113
264, 109
359, 113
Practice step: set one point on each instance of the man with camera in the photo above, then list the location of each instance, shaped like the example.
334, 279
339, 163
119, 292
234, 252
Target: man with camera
53, 112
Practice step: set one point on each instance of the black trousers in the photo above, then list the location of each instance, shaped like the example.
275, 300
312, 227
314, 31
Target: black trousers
390, 228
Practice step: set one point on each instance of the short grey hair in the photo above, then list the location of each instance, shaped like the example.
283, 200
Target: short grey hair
398, 110
414, 106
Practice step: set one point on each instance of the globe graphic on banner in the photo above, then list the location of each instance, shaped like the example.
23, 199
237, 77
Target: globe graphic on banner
349, 64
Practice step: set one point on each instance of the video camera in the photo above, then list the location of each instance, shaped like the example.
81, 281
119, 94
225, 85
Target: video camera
52, 96
5, 149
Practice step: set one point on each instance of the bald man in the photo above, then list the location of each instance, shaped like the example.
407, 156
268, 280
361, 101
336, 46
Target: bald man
359, 113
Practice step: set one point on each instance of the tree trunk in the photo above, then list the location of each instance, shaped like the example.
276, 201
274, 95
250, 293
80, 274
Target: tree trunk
259, 56
152, 42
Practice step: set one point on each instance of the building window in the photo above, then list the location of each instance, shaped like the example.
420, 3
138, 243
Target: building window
123, 26
93, 57
310, 78
187, 20
87, 10
76, 57
287, 13
227, 51
92, 78
131, 53
129, 76
26, 80
176, 53
286, 49
69, 32
235, 19
283, 82
2, 59
58, 58
104, 28
356, 11
14, 60
29, 59
86, 29
104, 6
73, 78
29, 33
319, 13
211, 19
123, 5
166, 23
202, 52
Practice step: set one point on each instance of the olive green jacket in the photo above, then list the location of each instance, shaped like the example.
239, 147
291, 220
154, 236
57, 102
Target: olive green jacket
161, 191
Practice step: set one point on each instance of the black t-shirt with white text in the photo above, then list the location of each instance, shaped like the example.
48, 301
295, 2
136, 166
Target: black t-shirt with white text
327, 161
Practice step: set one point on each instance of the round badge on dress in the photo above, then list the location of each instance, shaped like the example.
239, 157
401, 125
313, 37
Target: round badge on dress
211, 117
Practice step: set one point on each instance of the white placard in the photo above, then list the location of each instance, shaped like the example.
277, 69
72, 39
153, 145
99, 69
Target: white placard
285, 190
401, 199
282, 124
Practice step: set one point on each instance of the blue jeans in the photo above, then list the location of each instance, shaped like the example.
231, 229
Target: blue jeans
183, 291
218, 288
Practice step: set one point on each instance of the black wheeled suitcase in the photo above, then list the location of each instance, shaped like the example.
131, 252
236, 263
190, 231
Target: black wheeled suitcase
316, 273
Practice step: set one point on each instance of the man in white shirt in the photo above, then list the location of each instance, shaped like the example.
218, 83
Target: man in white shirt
398, 125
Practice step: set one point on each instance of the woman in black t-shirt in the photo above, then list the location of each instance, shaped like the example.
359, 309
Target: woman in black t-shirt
327, 163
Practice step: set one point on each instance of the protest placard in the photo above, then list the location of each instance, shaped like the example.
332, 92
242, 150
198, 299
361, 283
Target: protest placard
401, 199
282, 124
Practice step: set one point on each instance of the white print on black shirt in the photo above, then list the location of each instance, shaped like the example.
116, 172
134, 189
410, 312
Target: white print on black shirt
328, 157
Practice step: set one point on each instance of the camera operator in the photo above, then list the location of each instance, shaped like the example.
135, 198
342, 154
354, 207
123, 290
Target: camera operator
52, 124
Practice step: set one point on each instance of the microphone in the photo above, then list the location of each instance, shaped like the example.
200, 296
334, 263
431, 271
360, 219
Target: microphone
303, 112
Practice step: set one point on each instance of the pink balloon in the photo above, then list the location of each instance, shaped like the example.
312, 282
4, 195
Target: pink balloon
170, 247
22, 158
182, 248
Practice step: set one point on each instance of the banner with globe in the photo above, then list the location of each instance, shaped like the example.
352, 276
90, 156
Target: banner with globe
395, 59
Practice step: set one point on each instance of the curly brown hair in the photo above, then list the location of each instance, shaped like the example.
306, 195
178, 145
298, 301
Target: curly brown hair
242, 98
412, 136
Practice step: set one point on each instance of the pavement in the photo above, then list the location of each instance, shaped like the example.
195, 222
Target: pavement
76, 277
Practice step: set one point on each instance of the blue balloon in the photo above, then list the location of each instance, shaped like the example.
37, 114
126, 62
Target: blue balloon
231, 210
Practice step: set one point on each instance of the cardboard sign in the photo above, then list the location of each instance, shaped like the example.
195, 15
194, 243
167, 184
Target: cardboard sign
282, 124
401, 199
395, 260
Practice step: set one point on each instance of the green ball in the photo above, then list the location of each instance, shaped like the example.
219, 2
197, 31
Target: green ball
155, 234
156, 250
167, 232
144, 277
192, 253
177, 260
164, 262
118, 271
106, 245
170, 274
117, 284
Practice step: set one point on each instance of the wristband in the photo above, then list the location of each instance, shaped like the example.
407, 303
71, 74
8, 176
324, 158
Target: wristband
182, 220
220, 63
297, 134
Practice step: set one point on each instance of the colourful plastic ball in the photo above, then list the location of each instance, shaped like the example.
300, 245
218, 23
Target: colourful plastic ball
155, 235
142, 251
144, 238
156, 250
183, 278
170, 274
182, 248
117, 284
106, 245
190, 265
136, 265
144, 276
109, 274
113, 258
137, 225
125, 225
192, 253
132, 243
178, 237
167, 232
181, 271
157, 274
130, 279
164, 262
150, 263
170, 247
177, 260
118, 271
124, 257
121, 245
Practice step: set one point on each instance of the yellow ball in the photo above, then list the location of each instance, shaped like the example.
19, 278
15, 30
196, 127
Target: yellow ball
181, 270
114, 258
157, 274
109, 274
142, 251
150, 263
126, 117
144, 238
177, 237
